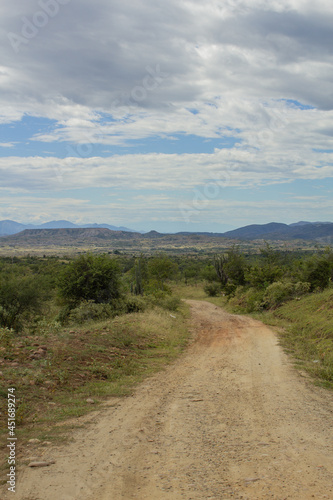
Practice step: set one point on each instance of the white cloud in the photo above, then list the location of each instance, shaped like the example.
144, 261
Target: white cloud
112, 72
226, 167
91, 54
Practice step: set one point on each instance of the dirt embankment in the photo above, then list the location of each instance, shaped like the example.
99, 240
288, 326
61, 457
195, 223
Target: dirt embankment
230, 419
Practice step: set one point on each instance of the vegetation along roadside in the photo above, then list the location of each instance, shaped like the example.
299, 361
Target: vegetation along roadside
291, 291
75, 331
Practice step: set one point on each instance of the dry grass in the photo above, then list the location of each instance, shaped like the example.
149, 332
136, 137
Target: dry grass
196, 292
97, 360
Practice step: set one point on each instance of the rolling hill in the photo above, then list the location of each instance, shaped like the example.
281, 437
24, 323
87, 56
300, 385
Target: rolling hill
67, 236
277, 231
8, 227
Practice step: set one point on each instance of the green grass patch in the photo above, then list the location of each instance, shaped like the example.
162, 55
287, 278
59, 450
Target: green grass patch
196, 292
306, 332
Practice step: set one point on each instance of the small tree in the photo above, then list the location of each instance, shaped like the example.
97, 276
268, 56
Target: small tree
317, 272
230, 269
267, 270
209, 273
263, 274
90, 277
20, 298
212, 289
160, 269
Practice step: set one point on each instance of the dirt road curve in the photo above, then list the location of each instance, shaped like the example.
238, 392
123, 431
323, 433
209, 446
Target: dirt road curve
230, 419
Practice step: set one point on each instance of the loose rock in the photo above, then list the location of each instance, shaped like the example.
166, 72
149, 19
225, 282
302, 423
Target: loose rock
41, 464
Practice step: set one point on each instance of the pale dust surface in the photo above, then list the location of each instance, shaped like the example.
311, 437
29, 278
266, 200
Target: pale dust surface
230, 419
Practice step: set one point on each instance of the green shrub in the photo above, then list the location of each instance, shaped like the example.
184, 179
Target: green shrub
90, 311
135, 304
254, 300
247, 299
317, 272
63, 315
21, 297
166, 301
263, 274
277, 293
160, 269
170, 303
90, 277
302, 288
208, 273
281, 291
6, 337
212, 289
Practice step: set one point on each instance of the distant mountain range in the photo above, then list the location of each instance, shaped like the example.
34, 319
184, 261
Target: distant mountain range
66, 230
277, 231
68, 236
8, 227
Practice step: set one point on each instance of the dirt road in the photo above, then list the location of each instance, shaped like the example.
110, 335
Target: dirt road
230, 419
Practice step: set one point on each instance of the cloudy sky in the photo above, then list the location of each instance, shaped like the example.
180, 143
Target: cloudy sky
169, 115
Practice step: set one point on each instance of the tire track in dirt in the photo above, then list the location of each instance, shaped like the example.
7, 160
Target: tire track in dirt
229, 419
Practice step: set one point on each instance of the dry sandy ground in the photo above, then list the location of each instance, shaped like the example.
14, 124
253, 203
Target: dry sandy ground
230, 419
